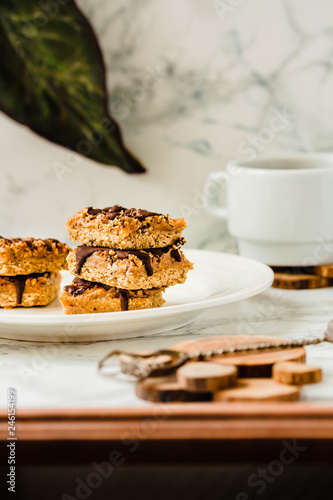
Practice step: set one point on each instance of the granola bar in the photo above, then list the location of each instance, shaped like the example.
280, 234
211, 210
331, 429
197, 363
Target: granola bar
130, 269
30, 255
82, 297
37, 289
122, 228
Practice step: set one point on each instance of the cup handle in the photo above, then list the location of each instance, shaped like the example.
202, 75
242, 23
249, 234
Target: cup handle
212, 190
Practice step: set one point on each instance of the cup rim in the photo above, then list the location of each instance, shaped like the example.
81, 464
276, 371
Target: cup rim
237, 162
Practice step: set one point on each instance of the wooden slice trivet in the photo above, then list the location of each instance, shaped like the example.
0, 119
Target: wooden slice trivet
299, 281
296, 373
326, 271
206, 376
167, 390
252, 364
262, 389
294, 269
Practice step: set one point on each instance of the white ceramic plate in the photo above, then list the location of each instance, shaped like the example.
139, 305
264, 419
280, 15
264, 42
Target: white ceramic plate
217, 279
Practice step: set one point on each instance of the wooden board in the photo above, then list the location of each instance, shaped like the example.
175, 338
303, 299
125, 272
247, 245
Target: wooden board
255, 364
177, 422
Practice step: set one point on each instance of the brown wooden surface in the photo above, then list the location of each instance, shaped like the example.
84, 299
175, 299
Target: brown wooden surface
190, 421
176, 433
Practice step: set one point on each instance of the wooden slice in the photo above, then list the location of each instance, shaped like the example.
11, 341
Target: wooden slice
167, 390
296, 373
262, 389
294, 269
126, 363
250, 364
326, 271
299, 281
206, 376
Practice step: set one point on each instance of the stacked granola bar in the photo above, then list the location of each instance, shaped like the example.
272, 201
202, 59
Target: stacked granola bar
29, 271
126, 259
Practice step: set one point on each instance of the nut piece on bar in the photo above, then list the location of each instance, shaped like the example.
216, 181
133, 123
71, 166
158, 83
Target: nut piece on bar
30, 255
130, 269
122, 228
83, 297
29, 290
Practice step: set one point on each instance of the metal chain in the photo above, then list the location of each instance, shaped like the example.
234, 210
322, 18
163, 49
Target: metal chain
254, 347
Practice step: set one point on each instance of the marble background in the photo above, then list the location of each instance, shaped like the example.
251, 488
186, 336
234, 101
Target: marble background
193, 84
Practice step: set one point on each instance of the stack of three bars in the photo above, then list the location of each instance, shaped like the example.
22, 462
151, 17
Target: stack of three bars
127, 259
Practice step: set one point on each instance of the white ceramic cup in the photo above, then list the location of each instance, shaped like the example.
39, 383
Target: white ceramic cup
280, 208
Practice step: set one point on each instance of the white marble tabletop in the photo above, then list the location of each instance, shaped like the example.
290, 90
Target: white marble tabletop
65, 375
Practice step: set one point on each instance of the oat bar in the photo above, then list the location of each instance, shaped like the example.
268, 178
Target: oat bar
122, 228
82, 297
130, 269
29, 255
29, 290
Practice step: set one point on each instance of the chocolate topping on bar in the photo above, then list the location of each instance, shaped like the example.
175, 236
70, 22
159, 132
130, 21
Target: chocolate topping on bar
20, 281
118, 211
48, 243
175, 254
93, 211
79, 286
83, 252
144, 257
20, 286
123, 295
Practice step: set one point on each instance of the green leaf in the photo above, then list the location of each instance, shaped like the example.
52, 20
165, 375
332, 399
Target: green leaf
52, 79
